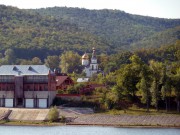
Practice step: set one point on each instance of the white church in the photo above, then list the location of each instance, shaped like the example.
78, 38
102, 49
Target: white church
90, 66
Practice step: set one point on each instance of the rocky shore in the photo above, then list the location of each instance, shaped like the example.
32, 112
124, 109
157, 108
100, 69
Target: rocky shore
128, 120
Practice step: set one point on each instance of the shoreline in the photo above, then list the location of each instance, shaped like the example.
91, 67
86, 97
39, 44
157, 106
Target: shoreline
90, 119
33, 124
127, 126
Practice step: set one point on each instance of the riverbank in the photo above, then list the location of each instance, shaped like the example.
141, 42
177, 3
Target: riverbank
128, 120
133, 121
86, 117
70, 124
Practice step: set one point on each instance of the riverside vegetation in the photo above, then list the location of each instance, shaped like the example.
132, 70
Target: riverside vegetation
136, 85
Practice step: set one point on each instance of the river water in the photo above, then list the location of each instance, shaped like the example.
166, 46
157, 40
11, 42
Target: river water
84, 130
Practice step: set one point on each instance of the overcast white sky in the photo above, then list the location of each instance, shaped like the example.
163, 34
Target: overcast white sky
155, 8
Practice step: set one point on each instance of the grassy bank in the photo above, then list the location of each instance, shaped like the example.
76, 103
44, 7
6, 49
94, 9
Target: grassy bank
140, 112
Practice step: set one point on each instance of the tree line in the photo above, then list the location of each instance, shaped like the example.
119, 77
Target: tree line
68, 62
154, 83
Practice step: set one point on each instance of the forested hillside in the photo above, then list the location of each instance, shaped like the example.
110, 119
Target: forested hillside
159, 39
30, 35
116, 27
52, 31
169, 53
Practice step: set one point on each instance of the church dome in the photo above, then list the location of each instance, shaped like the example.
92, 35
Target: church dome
85, 56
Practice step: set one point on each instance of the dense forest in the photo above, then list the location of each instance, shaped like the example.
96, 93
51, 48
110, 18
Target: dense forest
52, 31
118, 28
30, 35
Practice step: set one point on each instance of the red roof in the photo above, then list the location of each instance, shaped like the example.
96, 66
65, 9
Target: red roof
60, 79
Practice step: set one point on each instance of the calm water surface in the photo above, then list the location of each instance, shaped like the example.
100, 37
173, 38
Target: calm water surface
83, 130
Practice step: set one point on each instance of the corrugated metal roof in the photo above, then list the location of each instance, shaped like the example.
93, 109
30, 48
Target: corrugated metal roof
20, 70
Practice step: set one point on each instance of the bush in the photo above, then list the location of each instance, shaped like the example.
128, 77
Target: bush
61, 91
53, 114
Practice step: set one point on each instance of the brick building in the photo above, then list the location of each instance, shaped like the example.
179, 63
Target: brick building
30, 86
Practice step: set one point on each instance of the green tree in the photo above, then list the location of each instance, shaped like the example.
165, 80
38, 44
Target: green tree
157, 71
129, 75
52, 62
1, 59
36, 61
103, 59
10, 57
1, 55
24, 62
176, 86
110, 67
144, 85
53, 114
166, 87
109, 79
117, 94
70, 62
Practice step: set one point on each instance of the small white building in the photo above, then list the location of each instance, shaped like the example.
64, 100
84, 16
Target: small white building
90, 66
82, 80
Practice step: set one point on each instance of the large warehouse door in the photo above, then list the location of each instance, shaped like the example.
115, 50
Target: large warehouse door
29, 103
9, 102
42, 103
